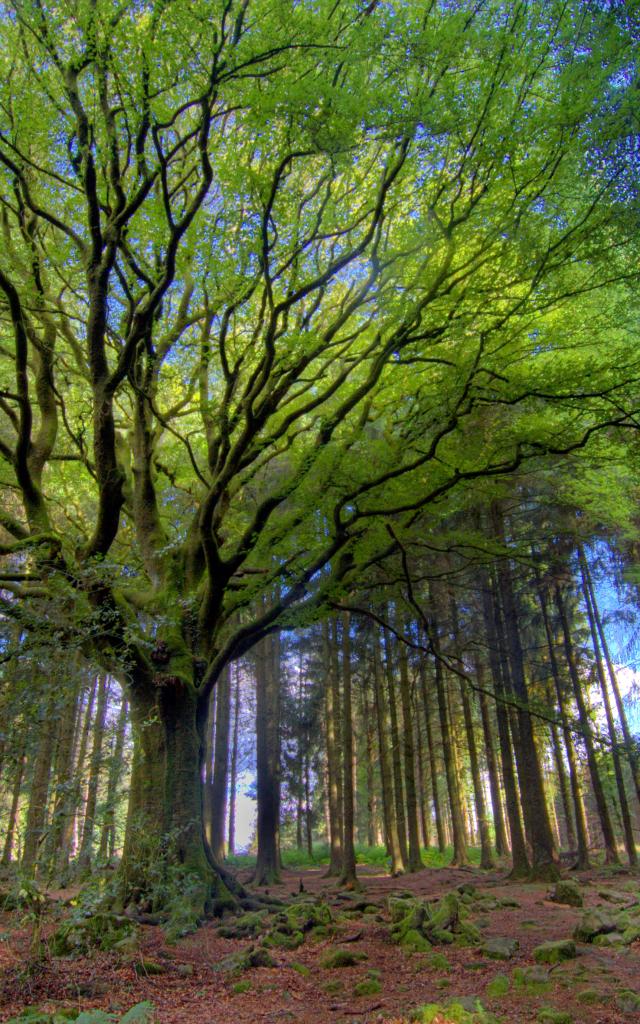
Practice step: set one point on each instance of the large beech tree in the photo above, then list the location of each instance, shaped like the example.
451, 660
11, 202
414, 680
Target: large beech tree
272, 276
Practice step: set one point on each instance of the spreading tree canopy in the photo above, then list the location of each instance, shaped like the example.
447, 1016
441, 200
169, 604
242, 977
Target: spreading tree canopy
274, 276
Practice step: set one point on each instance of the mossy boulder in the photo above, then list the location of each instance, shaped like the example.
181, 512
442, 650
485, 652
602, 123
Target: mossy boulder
593, 923
440, 923
367, 987
104, 931
549, 1015
498, 986
342, 958
533, 980
568, 892
555, 952
500, 948
628, 1001
246, 926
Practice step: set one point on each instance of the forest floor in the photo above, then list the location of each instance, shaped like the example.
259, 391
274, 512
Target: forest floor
190, 987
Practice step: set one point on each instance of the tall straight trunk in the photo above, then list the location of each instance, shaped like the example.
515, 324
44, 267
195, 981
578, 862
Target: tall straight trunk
233, 784
307, 801
388, 803
368, 728
348, 873
57, 854
299, 761
415, 860
580, 836
334, 762
631, 746
437, 808
627, 828
501, 843
108, 833
460, 854
95, 764
71, 827
267, 870
220, 766
561, 774
35, 825
396, 757
486, 858
519, 860
611, 853
543, 852
16, 787
421, 773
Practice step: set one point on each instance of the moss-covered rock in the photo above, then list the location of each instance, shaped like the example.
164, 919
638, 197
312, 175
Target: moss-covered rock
593, 923
568, 892
367, 987
628, 1001
549, 1015
500, 948
245, 926
342, 958
498, 986
440, 923
104, 931
555, 952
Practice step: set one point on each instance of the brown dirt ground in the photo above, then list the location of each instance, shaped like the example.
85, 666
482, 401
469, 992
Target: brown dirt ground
284, 996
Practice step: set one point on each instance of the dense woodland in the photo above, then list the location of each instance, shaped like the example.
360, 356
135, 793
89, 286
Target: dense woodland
319, 397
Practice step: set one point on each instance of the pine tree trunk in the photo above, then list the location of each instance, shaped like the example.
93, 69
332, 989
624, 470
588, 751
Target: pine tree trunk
108, 833
218, 803
486, 858
627, 828
580, 839
16, 787
57, 853
95, 764
501, 844
630, 744
437, 809
520, 867
460, 854
334, 761
348, 873
396, 758
368, 728
35, 826
267, 870
543, 852
421, 773
388, 802
233, 784
611, 853
415, 860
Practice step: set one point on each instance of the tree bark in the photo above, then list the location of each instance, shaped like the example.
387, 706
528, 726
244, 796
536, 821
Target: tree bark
396, 760
611, 852
415, 860
218, 798
348, 876
108, 832
581, 840
388, 803
95, 764
627, 828
267, 870
233, 783
543, 853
